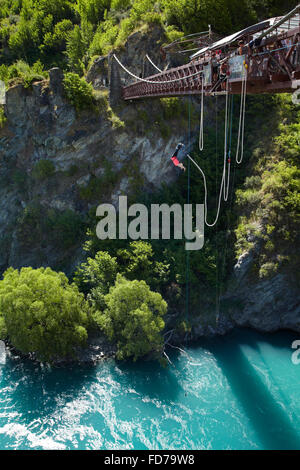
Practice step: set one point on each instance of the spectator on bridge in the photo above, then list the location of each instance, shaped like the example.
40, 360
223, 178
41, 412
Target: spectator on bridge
214, 63
241, 47
223, 74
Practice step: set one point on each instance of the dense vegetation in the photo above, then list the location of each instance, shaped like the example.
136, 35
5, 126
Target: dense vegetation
41, 312
126, 309
123, 288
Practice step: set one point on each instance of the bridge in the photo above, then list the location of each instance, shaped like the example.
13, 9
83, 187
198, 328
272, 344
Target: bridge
263, 58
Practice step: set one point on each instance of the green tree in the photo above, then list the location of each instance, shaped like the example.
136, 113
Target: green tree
133, 318
57, 40
137, 262
93, 10
41, 312
76, 48
96, 276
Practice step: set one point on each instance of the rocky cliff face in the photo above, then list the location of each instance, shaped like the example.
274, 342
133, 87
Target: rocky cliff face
266, 305
93, 159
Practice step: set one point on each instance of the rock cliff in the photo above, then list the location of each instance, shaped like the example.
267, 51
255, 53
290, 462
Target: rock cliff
265, 305
90, 158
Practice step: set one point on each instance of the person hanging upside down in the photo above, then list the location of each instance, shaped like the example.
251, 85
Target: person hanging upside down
174, 158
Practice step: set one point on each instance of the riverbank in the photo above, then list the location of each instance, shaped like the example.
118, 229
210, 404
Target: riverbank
99, 349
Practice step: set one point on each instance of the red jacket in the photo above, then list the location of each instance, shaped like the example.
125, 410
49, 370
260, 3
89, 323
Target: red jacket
175, 161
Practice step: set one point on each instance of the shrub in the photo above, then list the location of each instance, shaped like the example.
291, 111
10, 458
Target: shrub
104, 38
96, 187
92, 190
78, 91
43, 169
127, 26
22, 72
173, 34
114, 119
65, 227
42, 313
92, 10
19, 178
133, 318
140, 8
268, 269
72, 170
2, 117
120, 4
244, 235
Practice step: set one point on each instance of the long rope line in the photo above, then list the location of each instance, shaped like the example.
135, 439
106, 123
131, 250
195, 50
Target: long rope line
218, 287
226, 179
240, 142
201, 138
152, 63
223, 265
216, 189
153, 81
187, 299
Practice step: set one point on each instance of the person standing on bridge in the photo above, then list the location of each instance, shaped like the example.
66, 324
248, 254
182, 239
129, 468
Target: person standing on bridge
174, 158
223, 73
241, 47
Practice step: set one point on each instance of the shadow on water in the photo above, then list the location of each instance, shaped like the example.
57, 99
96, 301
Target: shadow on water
267, 416
152, 380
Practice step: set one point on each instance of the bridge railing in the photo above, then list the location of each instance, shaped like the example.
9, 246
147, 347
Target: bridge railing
172, 81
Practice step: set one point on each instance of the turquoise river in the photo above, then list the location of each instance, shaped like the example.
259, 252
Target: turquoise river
236, 392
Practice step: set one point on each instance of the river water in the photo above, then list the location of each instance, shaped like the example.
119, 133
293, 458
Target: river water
236, 392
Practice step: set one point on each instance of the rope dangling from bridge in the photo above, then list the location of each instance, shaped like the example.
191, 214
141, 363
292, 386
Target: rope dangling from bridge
226, 167
187, 269
241, 132
201, 138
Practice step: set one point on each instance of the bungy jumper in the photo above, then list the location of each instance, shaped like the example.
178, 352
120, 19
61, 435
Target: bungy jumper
174, 158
